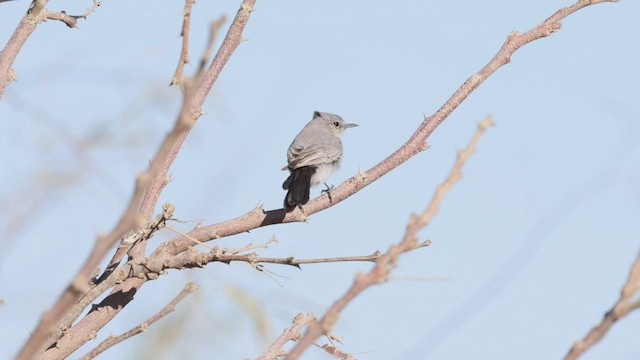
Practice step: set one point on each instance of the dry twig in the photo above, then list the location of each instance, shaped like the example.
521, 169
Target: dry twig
113, 340
71, 20
194, 259
620, 309
291, 333
35, 15
184, 54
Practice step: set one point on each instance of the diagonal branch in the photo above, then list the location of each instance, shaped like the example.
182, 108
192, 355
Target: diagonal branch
387, 262
35, 15
114, 340
258, 217
145, 198
25, 28
620, 309
291, 333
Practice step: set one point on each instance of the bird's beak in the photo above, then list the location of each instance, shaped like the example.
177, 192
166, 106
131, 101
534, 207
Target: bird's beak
346, 126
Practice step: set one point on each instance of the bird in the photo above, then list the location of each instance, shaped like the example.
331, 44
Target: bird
314, 154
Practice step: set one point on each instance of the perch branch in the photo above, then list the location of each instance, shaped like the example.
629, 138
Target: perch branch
258, 217
388, 261
155, 178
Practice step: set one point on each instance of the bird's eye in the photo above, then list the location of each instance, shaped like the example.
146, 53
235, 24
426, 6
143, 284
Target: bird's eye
336, 124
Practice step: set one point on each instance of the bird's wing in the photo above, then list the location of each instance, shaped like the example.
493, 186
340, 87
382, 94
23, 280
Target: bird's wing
315, 154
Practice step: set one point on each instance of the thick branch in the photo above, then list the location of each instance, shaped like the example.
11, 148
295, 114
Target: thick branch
192, 108
100, 314
46, 331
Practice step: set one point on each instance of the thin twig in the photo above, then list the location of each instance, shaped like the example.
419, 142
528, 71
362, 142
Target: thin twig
337, 353
249, 247
454, 175
194, 259
184, 54
386, 263
113, 340
291, 333
71, 20
190, 82
620, 309
181, 233
214, 29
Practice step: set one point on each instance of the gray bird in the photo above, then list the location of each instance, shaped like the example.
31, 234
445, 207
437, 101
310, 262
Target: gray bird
313, 156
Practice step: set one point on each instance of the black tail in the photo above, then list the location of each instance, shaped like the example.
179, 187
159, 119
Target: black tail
298, 184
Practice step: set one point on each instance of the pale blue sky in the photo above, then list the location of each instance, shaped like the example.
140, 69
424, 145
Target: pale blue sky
534, 242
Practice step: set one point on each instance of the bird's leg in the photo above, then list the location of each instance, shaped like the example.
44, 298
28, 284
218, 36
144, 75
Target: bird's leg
328, 191
301, 208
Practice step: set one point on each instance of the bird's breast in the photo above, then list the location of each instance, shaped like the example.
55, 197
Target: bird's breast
323, 171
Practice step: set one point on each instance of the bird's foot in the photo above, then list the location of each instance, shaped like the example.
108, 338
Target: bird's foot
328, 191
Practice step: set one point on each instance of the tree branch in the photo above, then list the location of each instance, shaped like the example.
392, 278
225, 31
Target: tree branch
151, 182
114, 340
144, 200
46, 331
184, 54
71, 20
387, 262
36, 14
135, 237
620, 309
291, 333
25, 28
195, 259
258, 217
